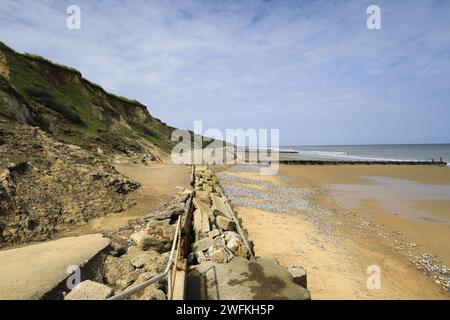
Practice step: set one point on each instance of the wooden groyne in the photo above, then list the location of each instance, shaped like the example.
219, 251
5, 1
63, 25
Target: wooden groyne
362, 162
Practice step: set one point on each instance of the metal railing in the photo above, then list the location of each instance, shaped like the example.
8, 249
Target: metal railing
168, 271
171, 268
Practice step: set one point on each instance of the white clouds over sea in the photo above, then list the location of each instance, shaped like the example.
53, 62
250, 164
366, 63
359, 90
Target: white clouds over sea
310, 68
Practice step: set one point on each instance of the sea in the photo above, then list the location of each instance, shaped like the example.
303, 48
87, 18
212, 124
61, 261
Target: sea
389, 152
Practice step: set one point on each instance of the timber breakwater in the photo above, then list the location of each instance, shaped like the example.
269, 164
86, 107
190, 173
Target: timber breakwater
359, 162
194, 248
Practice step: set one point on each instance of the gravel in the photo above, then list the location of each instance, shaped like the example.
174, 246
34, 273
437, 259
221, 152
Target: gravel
275, 198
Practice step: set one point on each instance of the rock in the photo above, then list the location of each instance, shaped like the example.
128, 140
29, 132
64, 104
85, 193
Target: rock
200, 256
152, 293
228, 235
234, 244
197, 222
185, 195
172, 213
116, 268
203, 207
158, 236
225, 223
116, 249
89, 290
203, 196
201, 223
214, 233
299, 275
141, 239
19, 168
219, 255
150, 262
162, 235
122, 185
127, 279
202, 244
242, 251
142, 260
219, 204
144, 277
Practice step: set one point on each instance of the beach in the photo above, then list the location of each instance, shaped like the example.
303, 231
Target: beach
336, 221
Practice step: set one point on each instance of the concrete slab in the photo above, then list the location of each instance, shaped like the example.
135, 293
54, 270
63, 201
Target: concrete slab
241, 279
27, 273
219, 204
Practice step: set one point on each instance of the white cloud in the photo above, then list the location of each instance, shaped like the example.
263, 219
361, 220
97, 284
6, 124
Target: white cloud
259, 64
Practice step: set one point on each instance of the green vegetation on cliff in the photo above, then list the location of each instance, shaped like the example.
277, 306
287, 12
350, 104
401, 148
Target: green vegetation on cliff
74, 110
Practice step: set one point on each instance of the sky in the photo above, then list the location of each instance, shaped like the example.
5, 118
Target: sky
311, 69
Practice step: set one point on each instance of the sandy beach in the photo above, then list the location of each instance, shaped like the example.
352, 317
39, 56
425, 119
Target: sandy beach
158, 184
336, 221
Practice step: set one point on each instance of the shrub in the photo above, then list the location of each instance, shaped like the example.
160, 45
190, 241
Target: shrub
44, 97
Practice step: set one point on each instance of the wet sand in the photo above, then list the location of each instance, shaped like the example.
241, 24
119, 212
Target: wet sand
339, 236
418, 206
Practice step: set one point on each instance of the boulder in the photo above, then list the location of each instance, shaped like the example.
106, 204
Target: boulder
219, 205
115, 268
202, 244
127, 279
299, 275
201, 224
214, 233
242, 251
117, 249
184, 196
190, 258
225, 223
234, 244
218, 242
141, 240
197, 221
219, 255
203, 207
159, 236
89, 290
171, 213
200, 256
152, 293
228, 235
203, 196
142, 260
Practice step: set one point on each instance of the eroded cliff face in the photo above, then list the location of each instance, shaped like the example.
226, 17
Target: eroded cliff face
48, 186
60, 101
58, 135
4, 71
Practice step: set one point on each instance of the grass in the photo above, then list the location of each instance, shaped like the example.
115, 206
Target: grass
69, 103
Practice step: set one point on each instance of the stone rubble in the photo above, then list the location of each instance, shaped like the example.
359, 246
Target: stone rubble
89, 290
223, 244
216, 237
139, 251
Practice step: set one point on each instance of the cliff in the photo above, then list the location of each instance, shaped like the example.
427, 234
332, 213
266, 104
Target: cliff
74, 110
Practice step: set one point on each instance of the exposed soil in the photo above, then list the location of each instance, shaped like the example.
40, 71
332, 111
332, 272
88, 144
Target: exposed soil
47, 186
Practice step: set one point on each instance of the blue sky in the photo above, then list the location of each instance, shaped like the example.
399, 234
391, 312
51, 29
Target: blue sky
309, 68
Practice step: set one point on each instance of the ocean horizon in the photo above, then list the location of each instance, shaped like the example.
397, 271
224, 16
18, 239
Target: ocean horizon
384, 152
